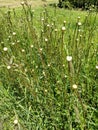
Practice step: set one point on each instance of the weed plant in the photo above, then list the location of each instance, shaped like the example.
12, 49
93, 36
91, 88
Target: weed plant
48, 69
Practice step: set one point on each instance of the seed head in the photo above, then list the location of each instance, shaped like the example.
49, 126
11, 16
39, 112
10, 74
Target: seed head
46, 91
15, 122
52, 24
49, 65
40, 49
79, 30
78, 17
56, 30
97, 67
14, 33
44, 73
64, 21
13, 43
65, 76
46, 39
58, 82
42, 19
69, 58
32, 46
80, 35
63, 28
2, 42
9, 37
32, 70
63, 65
22, 3
42, 31
77, 39
25, 70
23, 50
74, 86
18, 41
8, 67
5, 48
79, 23
48, 25
36, 67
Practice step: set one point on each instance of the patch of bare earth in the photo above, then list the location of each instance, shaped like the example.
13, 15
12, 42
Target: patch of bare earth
17, 3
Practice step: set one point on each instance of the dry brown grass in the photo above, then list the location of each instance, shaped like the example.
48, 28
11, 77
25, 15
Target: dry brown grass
16, 3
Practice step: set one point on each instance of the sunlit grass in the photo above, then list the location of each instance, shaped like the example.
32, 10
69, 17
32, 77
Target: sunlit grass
48, 69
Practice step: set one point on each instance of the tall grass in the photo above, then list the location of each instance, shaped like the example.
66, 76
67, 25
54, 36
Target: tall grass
48, 69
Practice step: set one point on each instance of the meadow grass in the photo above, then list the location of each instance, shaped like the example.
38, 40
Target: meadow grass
48, 69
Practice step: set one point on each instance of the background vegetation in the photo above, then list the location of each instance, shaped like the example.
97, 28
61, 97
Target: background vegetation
48, 69
84, 4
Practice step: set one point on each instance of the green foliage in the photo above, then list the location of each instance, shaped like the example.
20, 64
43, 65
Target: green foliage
65, 4
48, 69
78, 3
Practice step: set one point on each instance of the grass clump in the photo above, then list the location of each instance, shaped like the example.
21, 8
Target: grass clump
48, 69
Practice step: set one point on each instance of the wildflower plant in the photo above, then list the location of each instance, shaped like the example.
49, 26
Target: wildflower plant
48, 69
